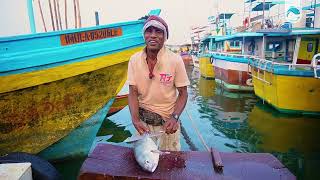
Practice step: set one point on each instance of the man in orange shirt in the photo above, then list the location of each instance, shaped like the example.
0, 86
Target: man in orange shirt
154, 76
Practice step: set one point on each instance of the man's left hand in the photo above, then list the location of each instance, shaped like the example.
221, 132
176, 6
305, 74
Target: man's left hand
171, 125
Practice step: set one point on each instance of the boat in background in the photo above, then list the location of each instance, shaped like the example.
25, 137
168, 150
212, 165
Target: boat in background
187, 58
119, 103
280, 56
52, 83
230, 67
285, 72
206, 66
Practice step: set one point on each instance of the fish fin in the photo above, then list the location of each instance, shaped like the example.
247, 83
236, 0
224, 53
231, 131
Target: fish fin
139, 137
160, 152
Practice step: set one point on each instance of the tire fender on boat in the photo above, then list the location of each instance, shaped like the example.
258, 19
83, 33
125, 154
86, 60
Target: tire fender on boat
249, 82
211, 59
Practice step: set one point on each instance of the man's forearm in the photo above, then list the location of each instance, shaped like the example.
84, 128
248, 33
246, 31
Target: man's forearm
181, 100
133, 103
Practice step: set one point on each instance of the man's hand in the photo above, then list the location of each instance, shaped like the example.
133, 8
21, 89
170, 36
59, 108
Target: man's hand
140, 127
171, 125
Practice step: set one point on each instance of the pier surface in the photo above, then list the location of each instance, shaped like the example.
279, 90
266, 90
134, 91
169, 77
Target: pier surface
116, 162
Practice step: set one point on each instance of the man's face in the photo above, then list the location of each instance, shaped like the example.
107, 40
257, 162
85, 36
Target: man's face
154, 38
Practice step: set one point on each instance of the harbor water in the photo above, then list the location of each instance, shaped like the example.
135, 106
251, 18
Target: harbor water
229, 122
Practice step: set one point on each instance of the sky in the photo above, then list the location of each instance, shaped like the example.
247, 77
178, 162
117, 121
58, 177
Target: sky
180, 15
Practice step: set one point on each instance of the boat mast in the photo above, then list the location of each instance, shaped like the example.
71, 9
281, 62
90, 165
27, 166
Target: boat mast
41, 13
55, 13
51, 14
65, 13
59, 16
75, 14
31, 16
78, 13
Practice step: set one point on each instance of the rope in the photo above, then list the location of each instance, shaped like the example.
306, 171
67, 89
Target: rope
187, 138
198, 132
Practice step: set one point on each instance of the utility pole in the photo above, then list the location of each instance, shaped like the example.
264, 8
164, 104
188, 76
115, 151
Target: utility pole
314, 13
264, 3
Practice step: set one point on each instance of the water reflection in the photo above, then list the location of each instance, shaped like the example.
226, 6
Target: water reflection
221, 115
291, 138
237, 122
118, 132
281, 132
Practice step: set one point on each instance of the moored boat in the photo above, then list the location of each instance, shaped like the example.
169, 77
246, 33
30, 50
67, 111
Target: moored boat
52, 83
285, 75
206, 66
229, 56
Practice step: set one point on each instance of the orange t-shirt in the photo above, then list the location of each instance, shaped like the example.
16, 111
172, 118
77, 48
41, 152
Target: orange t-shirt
158, 94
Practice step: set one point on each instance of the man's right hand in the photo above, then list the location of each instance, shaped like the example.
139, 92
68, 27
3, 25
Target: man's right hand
140, 127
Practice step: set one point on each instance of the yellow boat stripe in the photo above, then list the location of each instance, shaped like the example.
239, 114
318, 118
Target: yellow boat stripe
20, 81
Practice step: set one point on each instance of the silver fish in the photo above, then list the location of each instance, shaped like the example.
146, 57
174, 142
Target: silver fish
146, 151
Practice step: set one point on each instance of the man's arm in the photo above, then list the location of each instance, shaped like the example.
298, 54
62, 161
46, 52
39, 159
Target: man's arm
172, 124
134, 110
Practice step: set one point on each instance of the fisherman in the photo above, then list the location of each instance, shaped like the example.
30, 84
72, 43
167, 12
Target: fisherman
155, 74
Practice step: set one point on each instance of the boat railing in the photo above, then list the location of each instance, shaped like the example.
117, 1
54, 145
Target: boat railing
229, 54
262, 65
290, 65
269, 65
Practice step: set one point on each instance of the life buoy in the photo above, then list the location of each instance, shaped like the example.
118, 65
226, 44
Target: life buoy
249, 82
41, 169
211, 60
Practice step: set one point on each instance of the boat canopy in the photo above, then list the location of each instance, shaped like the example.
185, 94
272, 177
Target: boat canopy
311, 7
263, 6
270, 1
237, 36
248, 1
225, 15
272, 32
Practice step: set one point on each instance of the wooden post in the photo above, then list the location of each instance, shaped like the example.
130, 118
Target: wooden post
296, 50
263, 47
216, 159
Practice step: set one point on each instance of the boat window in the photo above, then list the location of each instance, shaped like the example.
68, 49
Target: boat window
310, 47
274, 46
277, 47
237, 43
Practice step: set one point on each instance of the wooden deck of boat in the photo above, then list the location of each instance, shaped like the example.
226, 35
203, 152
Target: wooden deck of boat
116, 162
